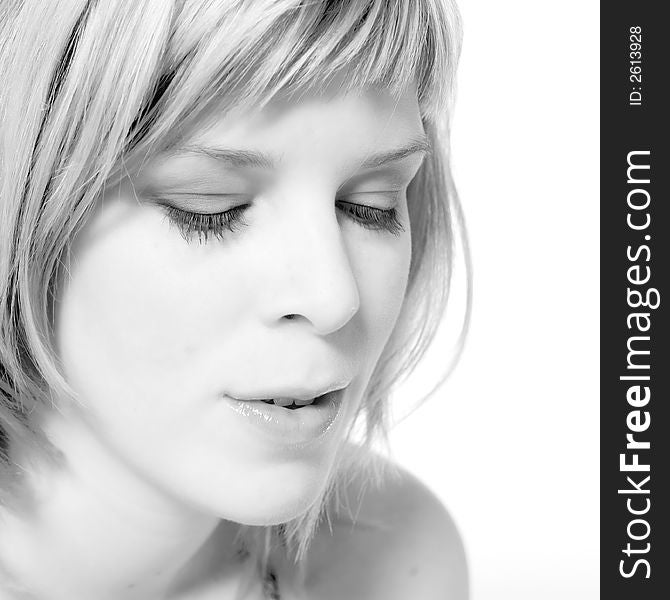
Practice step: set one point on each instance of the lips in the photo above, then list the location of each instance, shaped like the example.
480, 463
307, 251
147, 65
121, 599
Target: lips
293, 426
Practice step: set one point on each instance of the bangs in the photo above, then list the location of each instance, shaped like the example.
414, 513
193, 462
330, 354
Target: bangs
236, 52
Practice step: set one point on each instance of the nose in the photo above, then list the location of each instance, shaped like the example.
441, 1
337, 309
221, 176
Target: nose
312, 273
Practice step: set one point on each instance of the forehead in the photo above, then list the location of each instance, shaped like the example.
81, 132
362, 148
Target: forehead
315, 126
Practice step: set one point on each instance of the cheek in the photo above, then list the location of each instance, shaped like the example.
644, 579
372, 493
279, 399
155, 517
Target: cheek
381, 264
137, 306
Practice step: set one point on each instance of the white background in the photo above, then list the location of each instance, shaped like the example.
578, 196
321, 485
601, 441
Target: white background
510, 444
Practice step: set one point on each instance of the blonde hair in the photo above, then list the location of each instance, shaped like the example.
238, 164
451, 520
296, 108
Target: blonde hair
90, 85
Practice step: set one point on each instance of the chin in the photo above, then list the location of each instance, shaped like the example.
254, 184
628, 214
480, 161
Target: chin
277, 498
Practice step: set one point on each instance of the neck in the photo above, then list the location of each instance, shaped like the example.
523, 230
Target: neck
99, 531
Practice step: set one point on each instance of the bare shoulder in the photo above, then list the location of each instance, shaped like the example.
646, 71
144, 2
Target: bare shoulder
391, 541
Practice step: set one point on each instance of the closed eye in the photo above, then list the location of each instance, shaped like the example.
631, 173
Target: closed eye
370, 217
219, 225
204, 225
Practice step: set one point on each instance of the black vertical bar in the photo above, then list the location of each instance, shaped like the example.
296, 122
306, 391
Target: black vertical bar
635, 253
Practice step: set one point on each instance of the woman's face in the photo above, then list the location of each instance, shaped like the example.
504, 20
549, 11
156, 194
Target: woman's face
173, 327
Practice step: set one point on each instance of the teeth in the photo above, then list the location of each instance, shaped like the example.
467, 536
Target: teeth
287, 402
283, 401
304, 402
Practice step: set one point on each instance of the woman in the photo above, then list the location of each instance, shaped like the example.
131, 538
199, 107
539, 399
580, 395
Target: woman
224, 232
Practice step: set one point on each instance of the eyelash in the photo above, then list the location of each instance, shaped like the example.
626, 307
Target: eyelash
192, 224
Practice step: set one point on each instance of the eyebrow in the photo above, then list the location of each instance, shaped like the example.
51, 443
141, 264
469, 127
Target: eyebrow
417, 146
253, 159
231, 157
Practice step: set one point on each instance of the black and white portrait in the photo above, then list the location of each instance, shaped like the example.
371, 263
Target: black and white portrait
286, 297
